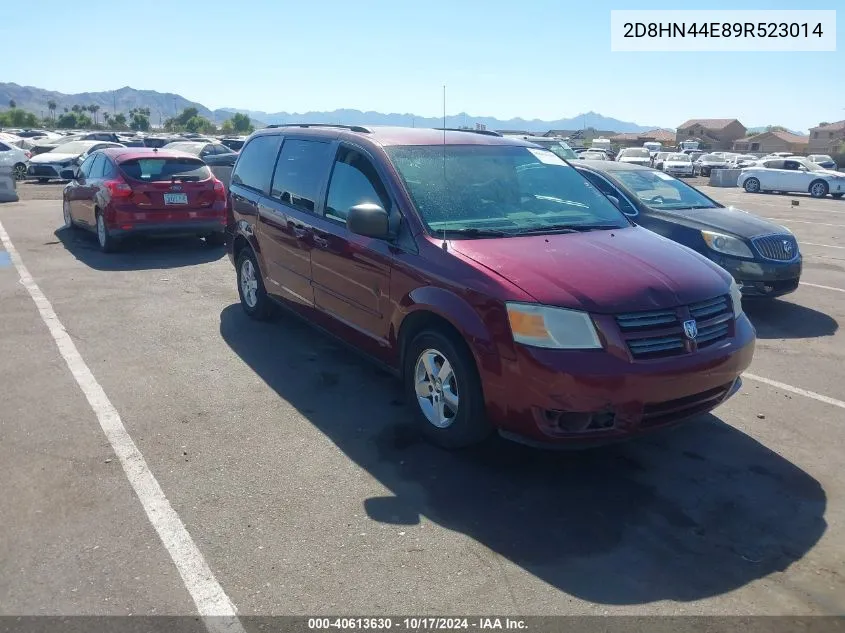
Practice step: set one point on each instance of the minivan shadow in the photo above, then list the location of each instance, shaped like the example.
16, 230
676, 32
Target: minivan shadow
775, 318
680, 515
139, 253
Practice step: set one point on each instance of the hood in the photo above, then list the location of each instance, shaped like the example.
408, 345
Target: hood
827, 173
728, 220
52, 157
622, 270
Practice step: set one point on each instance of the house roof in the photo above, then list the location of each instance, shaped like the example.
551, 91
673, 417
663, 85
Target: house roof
789, 137
830, 127
709, 124
664, 136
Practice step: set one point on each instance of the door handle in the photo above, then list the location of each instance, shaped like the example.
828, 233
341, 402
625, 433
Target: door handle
300, 232
319, 242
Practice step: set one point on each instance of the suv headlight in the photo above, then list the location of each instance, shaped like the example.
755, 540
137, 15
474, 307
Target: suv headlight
726, 244
736, 299
557, 328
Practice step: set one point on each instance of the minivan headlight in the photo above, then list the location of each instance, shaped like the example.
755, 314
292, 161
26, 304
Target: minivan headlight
557, 328
726, 244
736, 298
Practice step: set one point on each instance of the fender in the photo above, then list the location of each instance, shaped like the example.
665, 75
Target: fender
482, 335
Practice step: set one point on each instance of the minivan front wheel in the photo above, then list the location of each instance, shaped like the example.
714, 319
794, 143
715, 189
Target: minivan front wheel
442, 385
254, 299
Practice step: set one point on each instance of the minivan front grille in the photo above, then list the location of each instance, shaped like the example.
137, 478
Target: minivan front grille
660, 333
780, 248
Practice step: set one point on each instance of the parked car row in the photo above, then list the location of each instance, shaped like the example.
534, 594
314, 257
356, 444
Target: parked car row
430, 251
792, 174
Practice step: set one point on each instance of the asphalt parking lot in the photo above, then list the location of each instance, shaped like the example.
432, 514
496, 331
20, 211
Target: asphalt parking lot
289, 465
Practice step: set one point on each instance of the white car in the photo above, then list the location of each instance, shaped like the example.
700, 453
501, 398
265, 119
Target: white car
49, 165
635, 155
792, 175
678, 165
14, 157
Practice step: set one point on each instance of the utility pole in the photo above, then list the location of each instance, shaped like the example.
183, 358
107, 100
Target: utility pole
113, 103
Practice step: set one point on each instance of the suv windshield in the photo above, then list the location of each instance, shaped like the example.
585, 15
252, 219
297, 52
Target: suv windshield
560, 148
661, 191
513, 189
635, 152
683, 158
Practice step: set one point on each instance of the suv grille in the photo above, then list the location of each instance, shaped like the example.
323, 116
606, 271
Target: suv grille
660, 333
781, 248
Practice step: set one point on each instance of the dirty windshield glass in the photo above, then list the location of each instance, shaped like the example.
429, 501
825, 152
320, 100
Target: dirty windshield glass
501, 187
662, 191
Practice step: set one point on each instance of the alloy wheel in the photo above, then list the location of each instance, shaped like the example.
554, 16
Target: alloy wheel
20, 171
249, 283
436, 388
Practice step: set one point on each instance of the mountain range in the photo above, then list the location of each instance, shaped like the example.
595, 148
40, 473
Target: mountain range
165, 105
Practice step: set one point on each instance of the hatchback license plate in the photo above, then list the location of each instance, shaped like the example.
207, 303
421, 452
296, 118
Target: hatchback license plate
176, 198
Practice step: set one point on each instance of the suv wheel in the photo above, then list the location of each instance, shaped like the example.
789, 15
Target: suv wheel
254, 299
441, 382
818, 189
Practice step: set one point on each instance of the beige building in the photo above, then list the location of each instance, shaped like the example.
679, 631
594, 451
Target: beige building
636, 139
717, 133
770, 142
827, 139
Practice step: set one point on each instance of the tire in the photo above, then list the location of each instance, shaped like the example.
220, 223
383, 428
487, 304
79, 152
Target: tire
447, 425
254, 299
836, 196
215, 239
818, 189
751, 185
108, 243
19, 172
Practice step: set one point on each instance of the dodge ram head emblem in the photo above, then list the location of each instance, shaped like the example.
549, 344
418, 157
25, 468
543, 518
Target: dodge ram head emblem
691, 329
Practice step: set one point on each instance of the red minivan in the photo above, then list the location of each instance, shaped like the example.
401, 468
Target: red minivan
120, 192
497, 282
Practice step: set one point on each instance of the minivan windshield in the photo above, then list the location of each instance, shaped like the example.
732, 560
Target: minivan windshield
661, 191
510, 189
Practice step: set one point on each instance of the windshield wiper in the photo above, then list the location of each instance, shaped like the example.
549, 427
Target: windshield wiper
568, 228
474, 232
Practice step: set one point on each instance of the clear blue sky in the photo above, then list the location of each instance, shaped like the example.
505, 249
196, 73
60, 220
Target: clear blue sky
543, 59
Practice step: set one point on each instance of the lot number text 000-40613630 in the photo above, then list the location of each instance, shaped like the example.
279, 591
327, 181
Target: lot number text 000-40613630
728, 30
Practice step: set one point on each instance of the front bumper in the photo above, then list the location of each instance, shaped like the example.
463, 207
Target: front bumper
760, 278
44, 170
561, 397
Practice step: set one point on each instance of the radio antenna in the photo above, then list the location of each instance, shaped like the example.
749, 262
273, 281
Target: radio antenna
444, 246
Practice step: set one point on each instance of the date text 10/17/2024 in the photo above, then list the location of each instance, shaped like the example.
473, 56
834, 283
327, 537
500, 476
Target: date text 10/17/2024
421, 623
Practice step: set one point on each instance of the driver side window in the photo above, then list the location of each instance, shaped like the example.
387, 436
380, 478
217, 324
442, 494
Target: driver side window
353, 181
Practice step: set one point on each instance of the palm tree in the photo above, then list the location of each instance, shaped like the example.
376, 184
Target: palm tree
94, 109
51, 106
65, 109
12, 104
106, 118
76, 108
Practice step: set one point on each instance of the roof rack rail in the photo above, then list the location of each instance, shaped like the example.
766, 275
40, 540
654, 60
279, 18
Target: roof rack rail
458, 129
351, 128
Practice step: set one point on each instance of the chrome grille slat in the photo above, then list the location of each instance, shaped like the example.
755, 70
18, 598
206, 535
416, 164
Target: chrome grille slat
773, 247
655, 333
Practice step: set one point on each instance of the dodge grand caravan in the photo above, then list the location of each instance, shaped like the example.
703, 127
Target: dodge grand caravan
504, 290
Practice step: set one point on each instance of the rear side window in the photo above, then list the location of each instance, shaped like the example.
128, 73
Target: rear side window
4, 147
299, 173
97, 167
255, 165
354, 181
164, 169
774, 164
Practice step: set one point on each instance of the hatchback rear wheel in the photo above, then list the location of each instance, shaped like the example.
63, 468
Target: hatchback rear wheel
67, 215
108, 244
442, 383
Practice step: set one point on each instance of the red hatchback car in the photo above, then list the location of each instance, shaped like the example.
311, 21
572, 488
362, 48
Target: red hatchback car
503, 288
140, 191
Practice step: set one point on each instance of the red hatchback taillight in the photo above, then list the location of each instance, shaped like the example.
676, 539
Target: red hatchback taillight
219, 191
118, 188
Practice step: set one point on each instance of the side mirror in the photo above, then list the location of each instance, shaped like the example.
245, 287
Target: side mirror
369, 220
68, 174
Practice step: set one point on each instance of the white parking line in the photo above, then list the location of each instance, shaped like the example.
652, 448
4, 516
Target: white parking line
797, 390
790, 221
217, 610
804, 283
825, 245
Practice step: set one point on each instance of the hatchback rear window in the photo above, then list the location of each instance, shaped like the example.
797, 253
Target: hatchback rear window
164, 169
